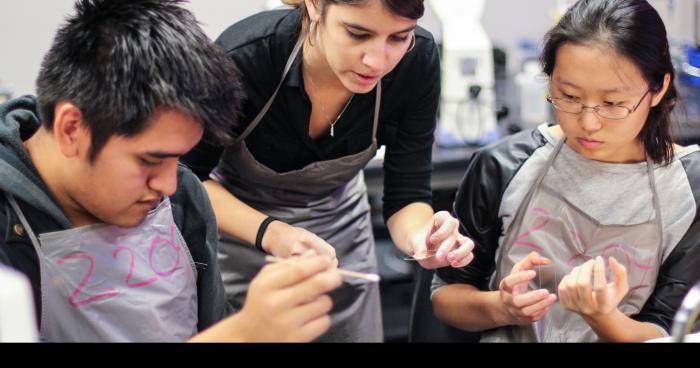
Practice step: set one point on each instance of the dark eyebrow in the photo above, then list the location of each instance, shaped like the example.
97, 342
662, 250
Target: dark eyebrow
570, 84
566, 83
613, 90
163, 155
363, 29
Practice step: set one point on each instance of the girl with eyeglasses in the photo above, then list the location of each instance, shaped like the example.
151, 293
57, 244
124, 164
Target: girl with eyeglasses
585, 230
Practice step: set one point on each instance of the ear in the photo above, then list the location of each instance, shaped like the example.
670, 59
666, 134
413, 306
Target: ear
659, 96
314, 10
69, 130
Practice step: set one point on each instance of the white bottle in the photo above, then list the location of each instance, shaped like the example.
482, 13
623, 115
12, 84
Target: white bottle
533, 88
17, 316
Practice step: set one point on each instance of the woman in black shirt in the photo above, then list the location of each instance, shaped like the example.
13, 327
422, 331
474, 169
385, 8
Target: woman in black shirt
315, 79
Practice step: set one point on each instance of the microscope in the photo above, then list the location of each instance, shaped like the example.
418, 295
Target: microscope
468, 101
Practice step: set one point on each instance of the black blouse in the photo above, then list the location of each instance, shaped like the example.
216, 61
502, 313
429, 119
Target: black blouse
260, 46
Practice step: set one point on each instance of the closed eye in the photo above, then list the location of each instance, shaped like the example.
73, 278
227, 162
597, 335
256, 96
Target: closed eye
358, 36
398, 38
149, 163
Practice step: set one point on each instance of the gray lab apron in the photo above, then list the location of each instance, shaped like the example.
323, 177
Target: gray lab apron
550, 225
103, 283
327, 198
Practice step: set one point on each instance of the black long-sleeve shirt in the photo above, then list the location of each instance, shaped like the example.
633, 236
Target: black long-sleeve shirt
487, 196
260, 46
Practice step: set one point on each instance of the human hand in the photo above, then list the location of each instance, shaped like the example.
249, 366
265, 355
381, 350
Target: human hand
586, 291
441, 237
521, 307
284, 241
287, 301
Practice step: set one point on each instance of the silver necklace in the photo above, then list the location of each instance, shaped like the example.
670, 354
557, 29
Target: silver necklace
320, 102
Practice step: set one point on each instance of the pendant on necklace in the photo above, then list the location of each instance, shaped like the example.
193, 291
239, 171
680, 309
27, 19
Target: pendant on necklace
332, 131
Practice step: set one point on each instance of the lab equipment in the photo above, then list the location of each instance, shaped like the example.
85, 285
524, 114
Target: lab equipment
468, 100
697, 24
422, 257
691, 66
687, 314
680, 17
372, 277
533, 88
17, 321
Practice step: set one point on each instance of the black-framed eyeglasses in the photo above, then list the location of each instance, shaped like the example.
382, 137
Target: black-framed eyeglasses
612, 112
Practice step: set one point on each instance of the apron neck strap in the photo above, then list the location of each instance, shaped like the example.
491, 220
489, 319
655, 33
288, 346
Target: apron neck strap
657, 205
287, 68
24, 221
525, 204
377, 106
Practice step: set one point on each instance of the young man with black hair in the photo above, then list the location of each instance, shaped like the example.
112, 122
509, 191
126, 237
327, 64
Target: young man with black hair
118, 240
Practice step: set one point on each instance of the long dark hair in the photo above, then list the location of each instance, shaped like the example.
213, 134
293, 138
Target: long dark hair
412, 9
634, 29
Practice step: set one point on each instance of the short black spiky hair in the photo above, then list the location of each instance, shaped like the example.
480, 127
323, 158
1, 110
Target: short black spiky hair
120, 61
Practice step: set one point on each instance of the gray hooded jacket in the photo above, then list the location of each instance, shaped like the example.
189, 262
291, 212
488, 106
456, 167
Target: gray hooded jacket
192, 211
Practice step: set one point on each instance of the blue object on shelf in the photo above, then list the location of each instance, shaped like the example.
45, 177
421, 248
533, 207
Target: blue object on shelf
691, 69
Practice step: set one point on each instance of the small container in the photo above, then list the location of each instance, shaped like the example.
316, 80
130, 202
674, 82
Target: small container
532, 86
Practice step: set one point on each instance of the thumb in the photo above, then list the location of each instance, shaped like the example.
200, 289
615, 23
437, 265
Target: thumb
321, 247
532, 260
620, 272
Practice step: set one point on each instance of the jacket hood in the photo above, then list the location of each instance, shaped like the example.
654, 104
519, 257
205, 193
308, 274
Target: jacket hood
19, 120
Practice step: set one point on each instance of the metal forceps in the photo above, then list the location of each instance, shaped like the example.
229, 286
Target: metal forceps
428, 255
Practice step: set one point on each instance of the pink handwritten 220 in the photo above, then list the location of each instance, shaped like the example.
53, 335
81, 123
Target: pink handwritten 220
74, 301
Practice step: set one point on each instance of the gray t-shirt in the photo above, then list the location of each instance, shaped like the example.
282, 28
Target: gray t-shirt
610, 193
